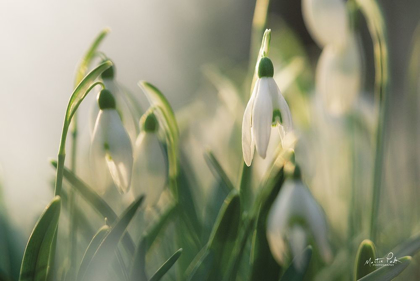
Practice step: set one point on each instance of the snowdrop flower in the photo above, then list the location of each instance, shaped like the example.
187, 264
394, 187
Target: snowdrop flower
111, 146
265, 108
327, 21
295, 213
124, 107
149, 174
338, 76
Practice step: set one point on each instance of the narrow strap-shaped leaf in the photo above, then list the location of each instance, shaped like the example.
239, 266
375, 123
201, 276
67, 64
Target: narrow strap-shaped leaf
37, 253
138, 264
96, 202
166, 266
159, 101
408, 248
262, 261
224, 234
217, 170
201, 266
387, 273
91, 249
153, 231
294, 274
82, 88
365, 253
90, 54
97, 268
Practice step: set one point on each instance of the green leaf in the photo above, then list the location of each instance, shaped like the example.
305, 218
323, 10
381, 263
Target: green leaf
166, 266
91, 249
409, 248
90, 54
153, 231
159, 102
200, 268
138, 264
224, 234
366, 252
217, 170
97, 268
387, 273
83, 89
96, 202
35, 263
245, 188
262, 261
292, 273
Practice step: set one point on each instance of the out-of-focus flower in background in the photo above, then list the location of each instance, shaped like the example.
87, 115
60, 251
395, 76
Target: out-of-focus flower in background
149, 172
294, 214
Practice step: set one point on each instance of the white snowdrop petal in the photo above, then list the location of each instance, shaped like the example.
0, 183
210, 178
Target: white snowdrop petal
298, 243
277, 223
338, 76
247, 138
120, 152
149, 172
282, 105
327, 21
128, 117
262, 117
100, 173
316, 220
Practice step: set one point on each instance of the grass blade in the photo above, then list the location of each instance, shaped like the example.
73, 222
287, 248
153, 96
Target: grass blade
166, 266
91, 249
217, 170
97, 268
292, 273
35, 264
366, 252
97, 202
387, 273
90, 54
408, 248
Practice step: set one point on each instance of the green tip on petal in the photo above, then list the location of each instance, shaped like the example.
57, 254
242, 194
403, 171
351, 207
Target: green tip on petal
150, 123
265, 68
106, 100
109, 73
297, 174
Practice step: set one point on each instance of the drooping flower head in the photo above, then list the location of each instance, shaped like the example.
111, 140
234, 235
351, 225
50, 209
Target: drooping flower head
111, 146
124, 105
293, 216
149, 173
266, 108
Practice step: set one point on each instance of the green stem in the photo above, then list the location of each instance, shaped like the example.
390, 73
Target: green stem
377, 31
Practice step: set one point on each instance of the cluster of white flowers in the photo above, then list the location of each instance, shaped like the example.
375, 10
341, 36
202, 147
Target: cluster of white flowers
338, 74
112, 152
294, 212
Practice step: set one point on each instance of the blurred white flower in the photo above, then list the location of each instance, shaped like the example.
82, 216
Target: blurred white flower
149, 173
338, 76
294, 214
327, 21
111, 146
265, 108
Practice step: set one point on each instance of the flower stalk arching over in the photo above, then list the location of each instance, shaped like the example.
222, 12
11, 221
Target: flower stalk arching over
150, 169
294, 214
266, 108
111, 146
